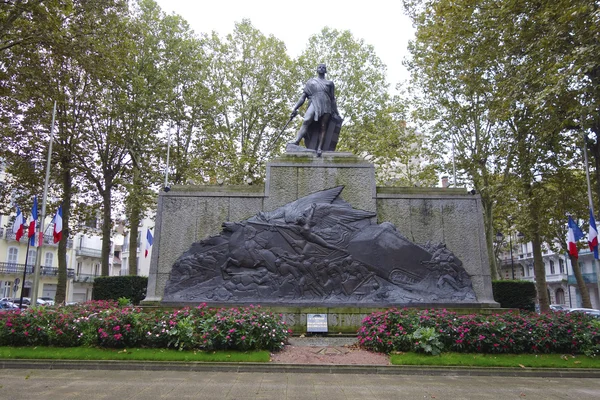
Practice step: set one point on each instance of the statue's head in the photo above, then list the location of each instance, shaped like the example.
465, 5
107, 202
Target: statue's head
321, 69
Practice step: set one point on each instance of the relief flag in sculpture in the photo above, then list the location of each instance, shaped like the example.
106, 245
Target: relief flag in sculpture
18, 225
57, 221
573, 235
149, 241
593, 235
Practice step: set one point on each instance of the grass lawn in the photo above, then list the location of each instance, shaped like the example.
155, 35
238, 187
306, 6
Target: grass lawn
497, 360
86, 353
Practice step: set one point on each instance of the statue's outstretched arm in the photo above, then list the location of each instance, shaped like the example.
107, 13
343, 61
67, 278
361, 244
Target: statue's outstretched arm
301, 101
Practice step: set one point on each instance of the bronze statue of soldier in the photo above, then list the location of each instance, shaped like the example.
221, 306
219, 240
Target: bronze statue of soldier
322, 115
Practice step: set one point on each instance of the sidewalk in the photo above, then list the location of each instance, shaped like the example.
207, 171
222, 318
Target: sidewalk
317, 354
37, 384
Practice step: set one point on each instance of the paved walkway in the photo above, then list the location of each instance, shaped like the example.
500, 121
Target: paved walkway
145, 385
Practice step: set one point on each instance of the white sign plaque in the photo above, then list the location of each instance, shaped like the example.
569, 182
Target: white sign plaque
316, 322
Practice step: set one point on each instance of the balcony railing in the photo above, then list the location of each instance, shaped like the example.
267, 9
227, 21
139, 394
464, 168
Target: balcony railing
48, 239
17, 269
88, 252
83, 278
587, 278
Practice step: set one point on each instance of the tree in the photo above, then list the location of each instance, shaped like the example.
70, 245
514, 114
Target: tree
250, 88
69, 66
359, 78
452, 70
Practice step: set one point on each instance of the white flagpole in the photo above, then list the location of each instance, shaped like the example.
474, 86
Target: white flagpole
589, 187
38, 261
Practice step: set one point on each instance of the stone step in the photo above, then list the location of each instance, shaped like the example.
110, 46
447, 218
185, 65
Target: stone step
323, 341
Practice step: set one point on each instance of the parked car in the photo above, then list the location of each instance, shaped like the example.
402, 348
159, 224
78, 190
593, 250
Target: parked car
49, 300
8, 306
39, 302
559, 307
589, 311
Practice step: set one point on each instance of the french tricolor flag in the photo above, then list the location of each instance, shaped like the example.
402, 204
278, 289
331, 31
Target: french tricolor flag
149, 241
57, 221
18, 225
593, 235
34, 217
573, 235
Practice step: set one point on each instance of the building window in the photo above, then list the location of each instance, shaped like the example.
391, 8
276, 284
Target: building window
552, 270
560, 296
6, 288
561, 265
48, 260
13, 255
97, 269
78, 268
31, 257
581, 267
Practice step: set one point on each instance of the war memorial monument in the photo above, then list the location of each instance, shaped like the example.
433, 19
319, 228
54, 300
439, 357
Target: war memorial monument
320, 237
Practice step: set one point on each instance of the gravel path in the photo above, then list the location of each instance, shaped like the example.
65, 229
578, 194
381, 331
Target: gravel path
327, 350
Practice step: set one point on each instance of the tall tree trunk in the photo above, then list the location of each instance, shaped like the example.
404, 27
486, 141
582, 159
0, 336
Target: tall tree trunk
106, 224
134, 221
488, 208
67, 182
540, 271
585, 294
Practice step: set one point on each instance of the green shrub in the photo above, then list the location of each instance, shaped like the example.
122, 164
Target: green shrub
427, 340
515, 294
105, 324
131, 287
508, 332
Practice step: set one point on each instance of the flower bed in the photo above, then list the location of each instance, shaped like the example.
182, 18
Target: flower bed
433, 331
104, 324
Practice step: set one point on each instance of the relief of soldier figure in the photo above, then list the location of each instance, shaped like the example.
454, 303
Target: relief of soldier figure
314, 249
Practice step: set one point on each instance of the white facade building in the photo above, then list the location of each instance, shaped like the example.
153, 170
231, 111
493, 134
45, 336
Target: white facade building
560, 280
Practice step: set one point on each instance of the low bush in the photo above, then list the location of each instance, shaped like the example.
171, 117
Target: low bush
105, 324
515, 294
510, 332
127, 288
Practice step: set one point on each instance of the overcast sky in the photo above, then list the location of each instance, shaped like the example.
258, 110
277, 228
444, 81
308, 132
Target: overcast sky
380, 23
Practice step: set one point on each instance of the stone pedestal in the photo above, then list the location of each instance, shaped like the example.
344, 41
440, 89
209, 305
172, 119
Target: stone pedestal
189, 214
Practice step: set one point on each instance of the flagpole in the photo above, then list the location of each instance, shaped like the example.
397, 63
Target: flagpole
38, 261
589, 187
587, 173
24, 274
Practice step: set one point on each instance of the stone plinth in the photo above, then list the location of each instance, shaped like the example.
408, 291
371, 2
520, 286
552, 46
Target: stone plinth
295, 175
452, 216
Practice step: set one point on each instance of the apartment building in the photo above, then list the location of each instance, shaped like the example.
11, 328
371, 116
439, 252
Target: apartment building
560, 280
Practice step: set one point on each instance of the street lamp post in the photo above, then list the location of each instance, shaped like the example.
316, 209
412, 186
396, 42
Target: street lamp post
500, 237
512, 260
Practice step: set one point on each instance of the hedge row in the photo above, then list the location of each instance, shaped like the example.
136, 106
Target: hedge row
515, 294
510, 332
115, 287
103, 324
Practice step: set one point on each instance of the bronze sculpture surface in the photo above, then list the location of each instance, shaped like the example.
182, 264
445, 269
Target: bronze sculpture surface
322, 122
317, 250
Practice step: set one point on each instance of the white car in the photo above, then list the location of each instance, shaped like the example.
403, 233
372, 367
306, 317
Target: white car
589, 311
49, 300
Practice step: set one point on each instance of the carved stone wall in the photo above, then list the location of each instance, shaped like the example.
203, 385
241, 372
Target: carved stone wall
451, 216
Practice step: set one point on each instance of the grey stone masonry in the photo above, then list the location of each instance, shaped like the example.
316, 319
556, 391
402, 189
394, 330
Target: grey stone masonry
188, 214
